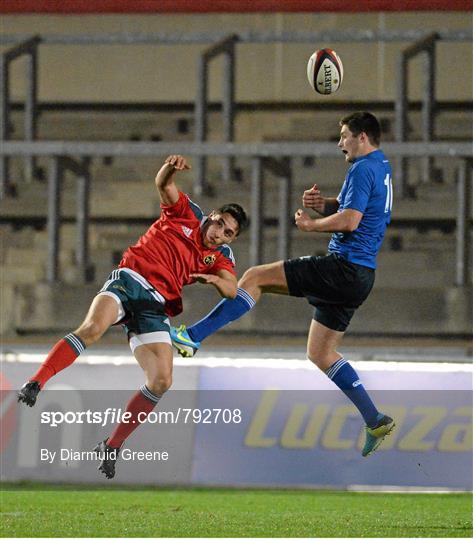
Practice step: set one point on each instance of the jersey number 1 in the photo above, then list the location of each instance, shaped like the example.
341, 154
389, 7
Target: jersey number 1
389, 194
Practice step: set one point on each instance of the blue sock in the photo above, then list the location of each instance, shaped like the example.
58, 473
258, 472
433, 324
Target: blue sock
223, 313
346, 378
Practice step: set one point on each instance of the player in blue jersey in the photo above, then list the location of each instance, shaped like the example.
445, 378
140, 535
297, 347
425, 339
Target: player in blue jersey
335, 284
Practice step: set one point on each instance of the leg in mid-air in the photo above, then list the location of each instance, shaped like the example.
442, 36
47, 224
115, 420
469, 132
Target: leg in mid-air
257, 280
156, 361
322, 344
103, 312
336, 290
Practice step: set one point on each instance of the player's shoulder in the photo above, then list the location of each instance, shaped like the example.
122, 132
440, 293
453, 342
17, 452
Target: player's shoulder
361, 169
375, 159
362, 164
195, 208
227, 252
368, 165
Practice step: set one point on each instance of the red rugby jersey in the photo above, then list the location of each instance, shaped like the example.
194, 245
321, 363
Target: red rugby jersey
172, 249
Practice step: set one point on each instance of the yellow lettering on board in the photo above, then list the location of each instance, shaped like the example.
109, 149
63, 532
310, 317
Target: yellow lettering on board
458, 437
308, 439
331, 437
255, 434
414, 439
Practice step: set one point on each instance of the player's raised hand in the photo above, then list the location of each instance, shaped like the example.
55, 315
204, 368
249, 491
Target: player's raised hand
164, 180
178, 162
313, 199
303, 221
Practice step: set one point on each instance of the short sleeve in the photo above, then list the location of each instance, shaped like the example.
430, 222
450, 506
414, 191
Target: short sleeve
225, 260
359, 185
183, 208
179, 208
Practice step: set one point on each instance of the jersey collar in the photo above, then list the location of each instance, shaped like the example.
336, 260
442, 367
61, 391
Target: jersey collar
375, 154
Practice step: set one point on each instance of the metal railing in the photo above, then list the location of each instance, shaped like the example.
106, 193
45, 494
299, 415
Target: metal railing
264, 156
226, 47
28, 48
59, 165
274, 156
244, 36
280, 168
463, 239
424, 46
225, 44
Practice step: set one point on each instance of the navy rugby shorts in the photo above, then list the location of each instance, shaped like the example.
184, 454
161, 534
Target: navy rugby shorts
334, 286
140, 308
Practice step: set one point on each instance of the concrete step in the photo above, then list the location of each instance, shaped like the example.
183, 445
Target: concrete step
127, 187
388, 310
24, 257
8, 303
415, 270
420, 264
18, 274
113, 126
56, 306
23, 238
249, 125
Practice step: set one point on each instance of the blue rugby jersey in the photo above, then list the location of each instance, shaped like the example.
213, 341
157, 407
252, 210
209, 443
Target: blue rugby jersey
368, 189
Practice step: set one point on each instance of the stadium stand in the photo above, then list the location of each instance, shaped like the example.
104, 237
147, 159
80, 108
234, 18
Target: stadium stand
417, 263
104, 100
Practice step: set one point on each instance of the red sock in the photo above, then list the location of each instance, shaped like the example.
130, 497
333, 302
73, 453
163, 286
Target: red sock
60, 356
142, 402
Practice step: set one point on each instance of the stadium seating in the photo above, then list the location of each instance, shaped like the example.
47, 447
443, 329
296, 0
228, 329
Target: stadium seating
416, 268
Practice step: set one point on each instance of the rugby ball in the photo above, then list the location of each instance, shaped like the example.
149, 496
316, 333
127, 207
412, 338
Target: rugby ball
325, 71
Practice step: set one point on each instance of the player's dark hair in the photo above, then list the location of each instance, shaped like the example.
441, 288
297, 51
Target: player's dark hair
366, 122
237, 212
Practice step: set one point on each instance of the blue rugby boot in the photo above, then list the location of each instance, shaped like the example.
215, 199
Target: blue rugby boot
375, 435
181, 340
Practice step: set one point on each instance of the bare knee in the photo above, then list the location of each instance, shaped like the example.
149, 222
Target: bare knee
250, 277
323, 359
90, 332
159, 383
322, 345
265, 278
317, 359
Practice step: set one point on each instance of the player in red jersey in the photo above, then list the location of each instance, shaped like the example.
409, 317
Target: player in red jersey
181, 247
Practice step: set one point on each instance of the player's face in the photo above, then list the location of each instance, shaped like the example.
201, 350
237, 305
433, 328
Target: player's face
350, 144
221, 229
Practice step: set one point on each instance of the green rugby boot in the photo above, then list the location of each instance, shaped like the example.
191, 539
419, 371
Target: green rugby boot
375, 435
181, 340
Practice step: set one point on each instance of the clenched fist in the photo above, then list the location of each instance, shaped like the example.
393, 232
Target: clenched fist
303, 221
313, 199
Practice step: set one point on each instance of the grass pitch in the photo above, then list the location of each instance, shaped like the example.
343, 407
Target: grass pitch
86, 511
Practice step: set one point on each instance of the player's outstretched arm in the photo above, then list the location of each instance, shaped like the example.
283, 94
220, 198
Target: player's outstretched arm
224, 281
325, 206
345, 221
164, 180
